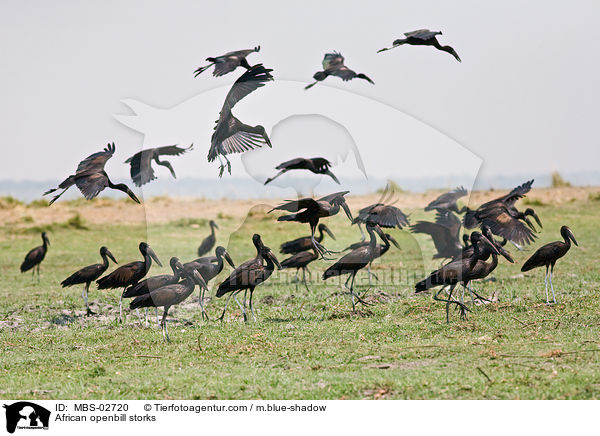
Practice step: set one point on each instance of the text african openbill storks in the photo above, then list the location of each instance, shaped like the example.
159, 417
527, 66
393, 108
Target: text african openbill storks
317, 165
309, 210
141, 163
170, 295
548, 254
300, 261
445, 233
209, 270
423, 37
333, 65
35, 257
249, 275
448, 201
354, 261
129, 274
209, 242
228, 62
89, 274
231, 135
152, 283
91, 178
452, 273
305, 243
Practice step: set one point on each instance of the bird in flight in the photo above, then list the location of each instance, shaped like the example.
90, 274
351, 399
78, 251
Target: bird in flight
423, 37
317, 165
90, 177
333, 65
231, 135
228, 62
141, 163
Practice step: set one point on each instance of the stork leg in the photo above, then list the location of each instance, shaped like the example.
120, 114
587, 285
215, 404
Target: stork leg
552, 287
304, 279
201, 300
297, 280
146, 318
449, 301
121, 308
156, 313
240, 305
84, 294
546, 285
251, 308
163, 322
226, 303
362, 233
355, 296
517, 246
38, 272
139, 315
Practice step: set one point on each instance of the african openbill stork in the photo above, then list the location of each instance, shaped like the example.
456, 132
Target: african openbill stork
151, 283
305, 243
231, 135
129, 274
460, 270
444, 232
89, 274
209, 270
141, 163
309, 210
249, 275
35, 257
385, 215
91, 178
423, 37
317, 165
356, 260
170, 295
300, 261
448, 201
228, 62
209, 242
380, 250
548, 254
333, 65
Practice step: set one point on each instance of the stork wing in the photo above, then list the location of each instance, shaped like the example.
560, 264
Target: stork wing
505, 226
251, 80
423, 34
173, 150
242, 138
333, 60
292, 163
512, 197
141, 167
450, 221
389, 217
329, 198
344, 73
92, 184
296, 205
440, 234
95, 162
447, 198
321, 163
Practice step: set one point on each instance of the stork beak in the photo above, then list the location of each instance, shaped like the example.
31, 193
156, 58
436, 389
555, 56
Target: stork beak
393, 241
132, 196
572, 237
335, 179
153, 255
505, 254
228, 259
487, 242
110, 255
216, 226
347, 210
199, 280
537, 219
529, 223
274, 259
329, 232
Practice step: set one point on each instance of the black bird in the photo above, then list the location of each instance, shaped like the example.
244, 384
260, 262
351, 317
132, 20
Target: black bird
333, 65
448, 201
461, 270
300, 261
423, 37
309, 211
305, 243
548, 254
249, 275
444, 232
385, 215
91, 178
209, 242
170, 295
152, 283
89, 274
231, 135
35, 257
228, 62
141, 163
209, 270
356, 260
129, 274
317, 165
380, 250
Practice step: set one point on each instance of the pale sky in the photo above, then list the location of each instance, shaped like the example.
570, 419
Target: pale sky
524, 99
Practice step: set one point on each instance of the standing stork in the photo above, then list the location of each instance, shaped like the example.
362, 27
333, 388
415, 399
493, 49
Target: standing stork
305, 243
89, 274
129, 274
231, 135
423, 37
317, 165
301, 261
309, 210
141, 163
90, 177
333, 65
35, 257
209, 242
548, 254
228, 62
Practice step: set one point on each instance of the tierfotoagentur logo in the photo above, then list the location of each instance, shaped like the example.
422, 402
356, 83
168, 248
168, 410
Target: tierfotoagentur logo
26, 415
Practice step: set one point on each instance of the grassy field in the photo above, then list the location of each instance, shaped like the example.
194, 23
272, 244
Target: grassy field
305, 345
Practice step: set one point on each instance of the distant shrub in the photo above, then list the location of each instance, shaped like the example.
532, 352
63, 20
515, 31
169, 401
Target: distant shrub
223, 216
533, 202
9, 202
390, 186
558, 181
187, 222
27, 219
594, 196
40, 202
76, 222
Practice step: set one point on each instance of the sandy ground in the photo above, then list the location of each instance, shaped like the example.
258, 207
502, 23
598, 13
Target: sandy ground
163, 209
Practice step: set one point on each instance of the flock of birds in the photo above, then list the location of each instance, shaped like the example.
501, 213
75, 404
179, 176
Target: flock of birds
467, 256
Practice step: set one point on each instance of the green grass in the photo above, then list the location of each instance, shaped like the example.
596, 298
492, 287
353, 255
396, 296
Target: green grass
305, 345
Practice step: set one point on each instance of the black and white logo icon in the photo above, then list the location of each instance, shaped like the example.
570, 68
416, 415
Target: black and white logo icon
26, 415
